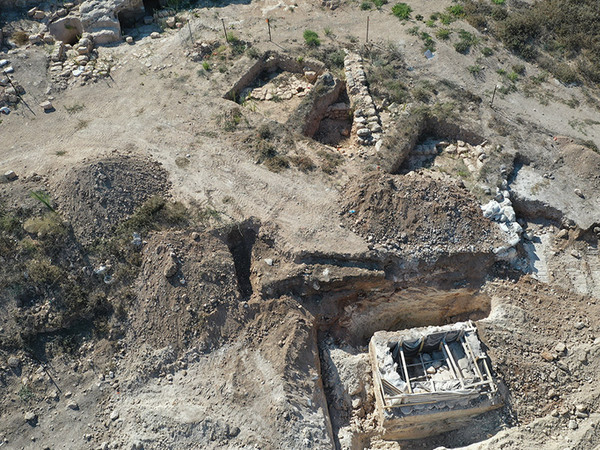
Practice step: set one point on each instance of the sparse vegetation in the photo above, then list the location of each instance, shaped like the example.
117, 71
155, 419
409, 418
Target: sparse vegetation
75, 108
561, 36
230, 119
329, 161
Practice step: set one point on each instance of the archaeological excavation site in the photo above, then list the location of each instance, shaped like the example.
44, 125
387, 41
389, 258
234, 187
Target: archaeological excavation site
299, 225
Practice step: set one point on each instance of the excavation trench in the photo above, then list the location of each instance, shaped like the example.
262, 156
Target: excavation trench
419, 146
355, 301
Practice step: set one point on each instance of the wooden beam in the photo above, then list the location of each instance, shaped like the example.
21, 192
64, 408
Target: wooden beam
454, 366
467, 346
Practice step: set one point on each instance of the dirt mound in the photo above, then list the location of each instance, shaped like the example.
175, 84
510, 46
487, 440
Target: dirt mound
187, 289
416, 210
95, 198
543, 370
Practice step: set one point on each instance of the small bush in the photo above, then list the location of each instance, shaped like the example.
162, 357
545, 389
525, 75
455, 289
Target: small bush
566, 74
447, 19
311, 38
48, 228
330, 161
365, 5
475, 70
335, 59
206, 66
428, 42
462, 47
443, 34
42, 271
519, 69
253, 53
456, 10
401, 11
303, 163
499, 2
277, 163
486, 51
379, 3
513, 76
499, 14
20, 37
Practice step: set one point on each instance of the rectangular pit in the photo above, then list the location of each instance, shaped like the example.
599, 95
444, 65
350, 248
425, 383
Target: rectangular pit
430, 380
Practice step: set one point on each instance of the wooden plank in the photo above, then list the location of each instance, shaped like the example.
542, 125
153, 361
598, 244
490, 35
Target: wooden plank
454, 366
466, 344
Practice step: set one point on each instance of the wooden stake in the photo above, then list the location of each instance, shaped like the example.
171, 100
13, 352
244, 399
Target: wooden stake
367, 29
493, 95
225, 30
269, 26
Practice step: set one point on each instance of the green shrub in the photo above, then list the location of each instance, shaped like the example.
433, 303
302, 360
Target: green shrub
456, 10
475, 70
443, 34
462, 47
365, 5
380, 3
466, 41
428, 42
311, 38
206, 66
414, 31
486, 51
401, 11
253, 53
447, 19
513, 76
499, 2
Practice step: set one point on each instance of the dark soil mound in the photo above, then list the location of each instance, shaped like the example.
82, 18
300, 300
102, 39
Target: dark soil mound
416, 210
97, 197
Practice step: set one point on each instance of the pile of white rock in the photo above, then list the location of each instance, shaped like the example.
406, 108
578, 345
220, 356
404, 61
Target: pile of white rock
500, 210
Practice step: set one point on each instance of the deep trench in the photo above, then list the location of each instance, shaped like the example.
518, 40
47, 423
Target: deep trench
240, 241
435, 130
